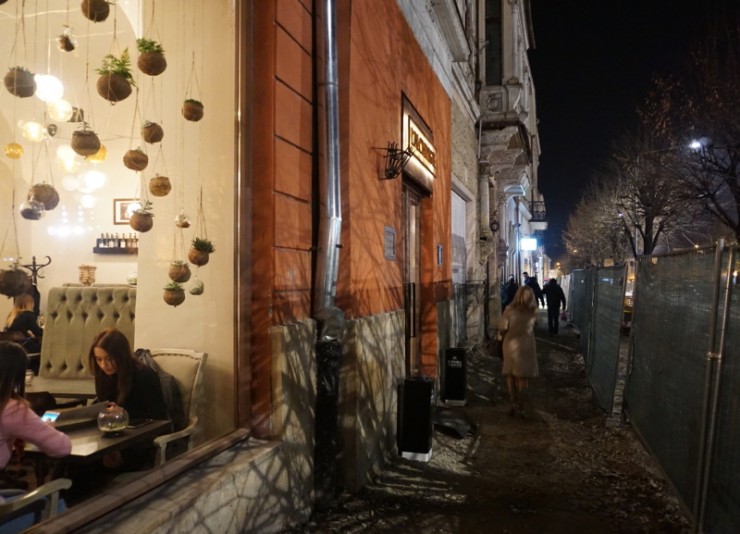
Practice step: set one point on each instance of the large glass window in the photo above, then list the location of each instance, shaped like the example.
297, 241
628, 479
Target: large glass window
189, 181
493, 42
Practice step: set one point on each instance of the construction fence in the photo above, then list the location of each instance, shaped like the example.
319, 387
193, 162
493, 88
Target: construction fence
675, 373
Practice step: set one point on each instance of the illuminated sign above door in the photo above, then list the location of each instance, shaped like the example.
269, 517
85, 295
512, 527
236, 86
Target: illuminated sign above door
417, 136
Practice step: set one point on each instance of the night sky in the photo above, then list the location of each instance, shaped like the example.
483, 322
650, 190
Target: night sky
592, 65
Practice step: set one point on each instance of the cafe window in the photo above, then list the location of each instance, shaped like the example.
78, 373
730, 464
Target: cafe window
188, 182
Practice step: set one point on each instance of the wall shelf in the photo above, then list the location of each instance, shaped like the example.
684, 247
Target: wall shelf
115, 250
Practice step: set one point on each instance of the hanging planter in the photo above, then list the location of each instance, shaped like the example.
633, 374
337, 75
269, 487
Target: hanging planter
160, 186
65, 41
20, 82
182, 220
136, 159
142, 219
200, 251
115, 80
152, 132
151, 57
85, 142
192, 110
95, 10
14, 282
179, 271
197, 287
44, 193
174, 294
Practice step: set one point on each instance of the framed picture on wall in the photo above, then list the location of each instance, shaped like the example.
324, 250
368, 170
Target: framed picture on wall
122, 209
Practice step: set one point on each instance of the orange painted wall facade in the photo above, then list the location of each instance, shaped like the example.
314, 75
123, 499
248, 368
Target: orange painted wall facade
380, 62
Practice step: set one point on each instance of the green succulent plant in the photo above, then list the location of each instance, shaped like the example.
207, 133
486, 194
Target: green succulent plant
202, 244
173, 286
145, 207
148, 45
193, 101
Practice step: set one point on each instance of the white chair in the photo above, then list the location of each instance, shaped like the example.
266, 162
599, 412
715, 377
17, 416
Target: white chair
186, 366
43, 501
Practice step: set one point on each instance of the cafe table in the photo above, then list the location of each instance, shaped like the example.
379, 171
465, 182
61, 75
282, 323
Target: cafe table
89, 444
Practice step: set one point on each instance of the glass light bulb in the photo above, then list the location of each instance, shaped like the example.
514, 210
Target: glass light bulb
33, 131
88, 201
13, 150
60, 110
70, 165
48, 88
65, 152
93, 179
99, 156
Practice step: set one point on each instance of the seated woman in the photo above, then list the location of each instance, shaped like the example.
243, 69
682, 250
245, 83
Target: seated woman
123, 380
19, 422
24, 321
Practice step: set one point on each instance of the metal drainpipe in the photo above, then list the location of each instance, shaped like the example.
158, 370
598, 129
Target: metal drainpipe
330, 318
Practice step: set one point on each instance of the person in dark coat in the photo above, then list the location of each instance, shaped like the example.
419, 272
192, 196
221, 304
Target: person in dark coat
555, 297
508, 292
531, 281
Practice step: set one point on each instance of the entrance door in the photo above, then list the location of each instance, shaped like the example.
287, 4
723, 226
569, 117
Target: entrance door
412, 279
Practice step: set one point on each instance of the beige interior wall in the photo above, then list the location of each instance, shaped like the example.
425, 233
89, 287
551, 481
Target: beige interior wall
199, 47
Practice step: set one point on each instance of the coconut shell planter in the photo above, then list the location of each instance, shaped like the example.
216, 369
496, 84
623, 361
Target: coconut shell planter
200, 251
85, 142
20, 82
151, 57
192, 110
179, 271
46, 194
135, 159
160, 186
14, 282
174, 294
152, 132
95, 10
142, 219
113, 87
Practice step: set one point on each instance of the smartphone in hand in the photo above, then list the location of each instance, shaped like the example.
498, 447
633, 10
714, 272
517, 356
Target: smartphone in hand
50, 417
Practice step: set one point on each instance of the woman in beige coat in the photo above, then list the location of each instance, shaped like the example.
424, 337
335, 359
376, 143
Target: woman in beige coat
520, 353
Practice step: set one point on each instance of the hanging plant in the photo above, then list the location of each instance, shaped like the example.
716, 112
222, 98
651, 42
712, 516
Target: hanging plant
115, 80
192, 110
65, 41
20, 82
151, 57
95, 10
85, 142
174, 294
136, 159
152, 132
200, 251
197, 288
32, 210
13, 281
44, 193
160, 186
182, 220
179, 271
142, 219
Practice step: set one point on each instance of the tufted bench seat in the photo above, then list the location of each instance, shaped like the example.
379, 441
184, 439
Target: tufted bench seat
73, 316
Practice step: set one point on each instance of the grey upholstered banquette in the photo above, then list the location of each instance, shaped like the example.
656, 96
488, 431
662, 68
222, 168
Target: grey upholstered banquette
73, 316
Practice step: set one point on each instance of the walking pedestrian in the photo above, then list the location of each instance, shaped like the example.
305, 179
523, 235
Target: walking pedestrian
520, 352
532, 282
508, 291
555, 297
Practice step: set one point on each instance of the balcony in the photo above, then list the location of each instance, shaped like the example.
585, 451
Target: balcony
538, 222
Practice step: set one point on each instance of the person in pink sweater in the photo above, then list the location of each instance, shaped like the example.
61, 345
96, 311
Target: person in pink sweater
17, 420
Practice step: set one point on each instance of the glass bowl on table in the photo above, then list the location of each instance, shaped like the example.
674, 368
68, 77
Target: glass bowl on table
112, 420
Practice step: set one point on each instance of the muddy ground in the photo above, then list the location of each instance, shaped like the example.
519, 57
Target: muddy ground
559, 471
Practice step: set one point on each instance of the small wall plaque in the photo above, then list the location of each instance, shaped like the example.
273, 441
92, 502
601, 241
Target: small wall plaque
389, 243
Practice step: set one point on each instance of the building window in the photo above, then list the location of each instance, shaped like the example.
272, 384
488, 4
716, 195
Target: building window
494, 54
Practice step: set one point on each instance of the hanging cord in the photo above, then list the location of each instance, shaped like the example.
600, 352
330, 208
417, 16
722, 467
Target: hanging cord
15, 228
200, 229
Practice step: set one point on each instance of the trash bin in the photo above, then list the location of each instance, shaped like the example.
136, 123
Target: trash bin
415, 405
454, 376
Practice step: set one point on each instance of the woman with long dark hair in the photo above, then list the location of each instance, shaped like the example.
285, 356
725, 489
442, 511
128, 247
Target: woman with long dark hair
122, 379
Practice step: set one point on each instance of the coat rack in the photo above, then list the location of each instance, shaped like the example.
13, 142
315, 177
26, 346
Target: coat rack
35, 268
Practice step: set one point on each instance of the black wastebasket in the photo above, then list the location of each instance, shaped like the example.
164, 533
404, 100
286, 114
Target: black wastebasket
415, 404
454, 376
